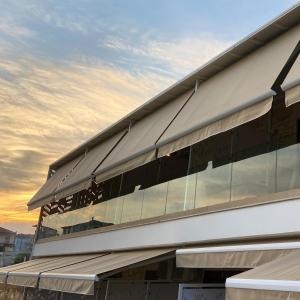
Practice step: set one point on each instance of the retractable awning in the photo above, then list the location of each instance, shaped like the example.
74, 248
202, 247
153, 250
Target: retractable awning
235, 257
28, 276
75, 175
279, 279
138, 147
5, 270
80, 278
46, 193
234, 96
291, 84
75, 274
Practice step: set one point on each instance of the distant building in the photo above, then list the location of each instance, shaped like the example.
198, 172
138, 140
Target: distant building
7, 246
23, 243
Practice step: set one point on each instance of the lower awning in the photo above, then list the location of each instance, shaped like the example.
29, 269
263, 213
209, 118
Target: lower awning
75, 274
21, 266
235, 256
80, 278
28, 275
279, 279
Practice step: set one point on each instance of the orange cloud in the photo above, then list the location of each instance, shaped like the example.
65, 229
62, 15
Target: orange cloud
48, 109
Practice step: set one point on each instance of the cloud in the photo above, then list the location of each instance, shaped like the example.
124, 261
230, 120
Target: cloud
48, 109
10, 28
177, 56
50, 103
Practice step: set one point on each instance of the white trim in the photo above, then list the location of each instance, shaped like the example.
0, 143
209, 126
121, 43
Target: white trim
91, 277
212, 227
11, 274
263, 284
239, 248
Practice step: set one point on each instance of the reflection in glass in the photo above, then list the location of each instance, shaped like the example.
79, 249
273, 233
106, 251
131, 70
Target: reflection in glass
132, 207
178, 197
113, 212
254, 176
288, 168
154, 203
213, 185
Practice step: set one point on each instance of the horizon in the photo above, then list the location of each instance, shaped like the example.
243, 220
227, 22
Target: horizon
68, 72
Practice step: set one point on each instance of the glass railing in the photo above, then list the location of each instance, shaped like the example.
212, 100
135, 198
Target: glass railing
255, 176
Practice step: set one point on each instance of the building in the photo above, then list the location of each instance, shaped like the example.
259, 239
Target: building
194, 195
23, 246
7, 246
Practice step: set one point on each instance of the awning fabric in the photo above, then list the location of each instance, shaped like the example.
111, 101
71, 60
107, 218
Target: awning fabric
291, 84
87, 165
279, 279
80, 278
75, 175
234, 257
5, 270
46, 192
138, 146
239, 86
28, 276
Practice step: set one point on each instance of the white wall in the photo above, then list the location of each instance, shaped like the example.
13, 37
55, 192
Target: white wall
267, 219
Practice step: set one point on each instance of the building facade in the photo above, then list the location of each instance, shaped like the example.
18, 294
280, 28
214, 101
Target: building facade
194, 195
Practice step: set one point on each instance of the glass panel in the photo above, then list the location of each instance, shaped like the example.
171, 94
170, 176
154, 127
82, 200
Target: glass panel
191, 183
254, 176
213, 185
96, 213
132, 207
288, 168
177, 196
113, 211
154, 203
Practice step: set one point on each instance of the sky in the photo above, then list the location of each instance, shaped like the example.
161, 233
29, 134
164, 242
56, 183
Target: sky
68, 69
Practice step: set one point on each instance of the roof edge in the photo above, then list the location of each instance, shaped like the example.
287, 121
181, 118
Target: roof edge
234, 53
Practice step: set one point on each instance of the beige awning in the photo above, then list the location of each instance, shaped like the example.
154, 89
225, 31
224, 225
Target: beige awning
245, 256
291, 84
80, 278
28, 276
27, 264
46, 192
75, 175
138, 146
85, 169
241, 86
279, 279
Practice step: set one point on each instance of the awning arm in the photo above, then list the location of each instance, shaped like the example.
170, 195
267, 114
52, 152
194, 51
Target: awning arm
276, 87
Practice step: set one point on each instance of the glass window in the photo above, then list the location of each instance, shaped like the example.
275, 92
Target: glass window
286, 138
154, 203
132, 207
113, 211
210, 162
174, 169
288, 168
254, 166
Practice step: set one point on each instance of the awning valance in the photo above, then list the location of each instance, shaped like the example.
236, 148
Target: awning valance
243, 84
234, 257
138, 147
279, 279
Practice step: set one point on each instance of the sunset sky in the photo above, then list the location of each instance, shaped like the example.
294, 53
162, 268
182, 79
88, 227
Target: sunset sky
70, 68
